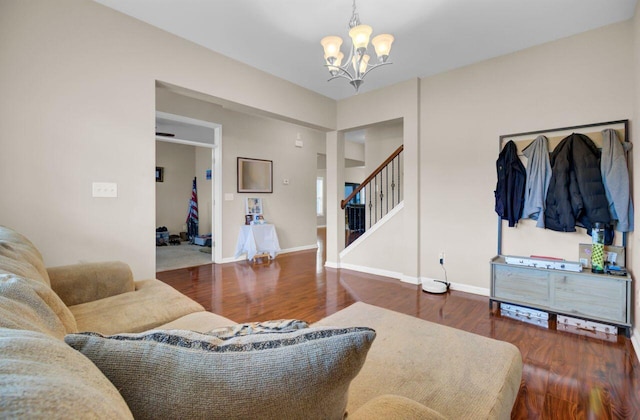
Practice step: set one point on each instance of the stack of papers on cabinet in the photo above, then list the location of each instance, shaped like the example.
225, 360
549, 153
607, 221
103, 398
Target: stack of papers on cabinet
550, 263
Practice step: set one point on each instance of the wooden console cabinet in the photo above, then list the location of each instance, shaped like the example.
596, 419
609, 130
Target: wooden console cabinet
598, 297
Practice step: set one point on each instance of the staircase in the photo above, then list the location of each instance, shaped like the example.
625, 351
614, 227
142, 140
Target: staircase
382, 193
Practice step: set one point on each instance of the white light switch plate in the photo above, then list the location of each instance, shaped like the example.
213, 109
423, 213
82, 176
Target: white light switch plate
105, 189
228, 197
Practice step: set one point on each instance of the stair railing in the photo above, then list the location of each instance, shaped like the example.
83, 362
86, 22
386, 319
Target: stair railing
382, 191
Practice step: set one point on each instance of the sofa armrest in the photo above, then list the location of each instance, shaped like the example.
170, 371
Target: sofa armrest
390, 407
80, 283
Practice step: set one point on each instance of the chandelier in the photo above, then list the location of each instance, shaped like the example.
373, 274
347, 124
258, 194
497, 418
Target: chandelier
358, 57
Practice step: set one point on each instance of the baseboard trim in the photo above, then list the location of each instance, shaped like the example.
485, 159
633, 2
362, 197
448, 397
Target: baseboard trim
410, 279
282, 251
330, 264
299, 248
374, 271
635, 341
482, 291
461, 287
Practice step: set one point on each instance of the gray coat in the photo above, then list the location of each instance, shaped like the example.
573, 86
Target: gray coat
615, 177
538, 177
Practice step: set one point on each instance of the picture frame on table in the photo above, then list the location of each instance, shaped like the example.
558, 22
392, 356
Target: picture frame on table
253, 206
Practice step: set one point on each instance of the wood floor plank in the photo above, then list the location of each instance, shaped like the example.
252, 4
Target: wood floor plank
565, 375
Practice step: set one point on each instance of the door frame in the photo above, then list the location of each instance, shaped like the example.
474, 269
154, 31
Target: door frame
215, 144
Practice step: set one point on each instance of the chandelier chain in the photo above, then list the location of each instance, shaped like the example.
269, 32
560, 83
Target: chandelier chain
355, 18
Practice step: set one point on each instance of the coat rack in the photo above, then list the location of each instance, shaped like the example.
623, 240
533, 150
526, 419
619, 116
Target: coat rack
555, 136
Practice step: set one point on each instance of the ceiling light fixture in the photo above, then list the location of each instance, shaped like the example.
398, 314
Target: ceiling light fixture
358, 57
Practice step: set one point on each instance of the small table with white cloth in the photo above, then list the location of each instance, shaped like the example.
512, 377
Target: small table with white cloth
257, 240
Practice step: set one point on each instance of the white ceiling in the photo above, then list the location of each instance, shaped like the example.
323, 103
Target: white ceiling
282, 37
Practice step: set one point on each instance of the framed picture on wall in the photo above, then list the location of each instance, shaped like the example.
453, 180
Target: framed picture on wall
159, 174
255, 175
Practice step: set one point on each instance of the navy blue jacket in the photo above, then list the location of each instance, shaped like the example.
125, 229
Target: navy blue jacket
510, 188
576, 195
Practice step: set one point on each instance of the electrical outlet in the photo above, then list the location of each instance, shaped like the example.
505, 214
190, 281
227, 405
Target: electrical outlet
441, 258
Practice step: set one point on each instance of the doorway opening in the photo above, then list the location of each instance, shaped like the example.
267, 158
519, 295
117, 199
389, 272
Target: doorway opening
186, 153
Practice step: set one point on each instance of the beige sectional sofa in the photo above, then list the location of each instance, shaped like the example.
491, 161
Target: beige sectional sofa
412, 369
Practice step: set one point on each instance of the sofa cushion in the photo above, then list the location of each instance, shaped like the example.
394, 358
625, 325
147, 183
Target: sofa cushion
301, 374
197, 321
394, 407
80, 283
153, 303
43, 378
28, 304
456, 373
19, 256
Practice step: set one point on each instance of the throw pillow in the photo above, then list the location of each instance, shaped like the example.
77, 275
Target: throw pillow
182, 374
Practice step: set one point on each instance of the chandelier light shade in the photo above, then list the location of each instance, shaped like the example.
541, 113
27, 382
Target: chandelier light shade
358, 57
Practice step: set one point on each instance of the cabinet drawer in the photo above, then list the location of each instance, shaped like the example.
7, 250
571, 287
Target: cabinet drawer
588, 296
521, 285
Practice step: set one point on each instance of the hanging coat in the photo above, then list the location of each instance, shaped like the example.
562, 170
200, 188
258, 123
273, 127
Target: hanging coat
576, 195
509, 193
615, 177
538, 177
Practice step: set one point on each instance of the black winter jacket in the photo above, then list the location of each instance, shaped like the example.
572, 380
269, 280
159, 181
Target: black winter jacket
576, 195
510, 188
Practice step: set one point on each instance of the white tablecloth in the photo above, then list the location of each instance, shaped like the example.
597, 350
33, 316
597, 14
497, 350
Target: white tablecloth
257, 239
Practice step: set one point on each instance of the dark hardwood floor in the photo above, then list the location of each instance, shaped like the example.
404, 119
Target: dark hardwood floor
565, 375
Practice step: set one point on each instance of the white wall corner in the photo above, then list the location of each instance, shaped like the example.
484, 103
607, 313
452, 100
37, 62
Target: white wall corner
635, 341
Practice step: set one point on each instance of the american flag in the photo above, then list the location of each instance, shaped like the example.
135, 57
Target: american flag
192, 216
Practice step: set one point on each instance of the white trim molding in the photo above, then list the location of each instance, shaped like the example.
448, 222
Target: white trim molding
243, 257
475, 290
635, 341
374, 271
410, 279
482, 291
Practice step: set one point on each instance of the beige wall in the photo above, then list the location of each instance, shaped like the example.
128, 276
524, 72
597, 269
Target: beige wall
173, 194
291, 208
398, 102
78, 106
578, 80
381, 140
